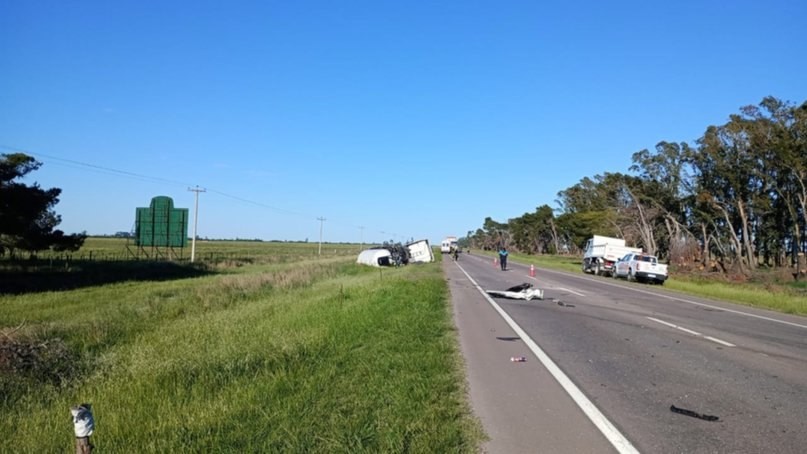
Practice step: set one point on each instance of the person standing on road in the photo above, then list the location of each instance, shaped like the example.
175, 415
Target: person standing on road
503, 258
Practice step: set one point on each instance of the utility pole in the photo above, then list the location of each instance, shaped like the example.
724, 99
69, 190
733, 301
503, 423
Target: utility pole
321, 222
361, 238
197, 190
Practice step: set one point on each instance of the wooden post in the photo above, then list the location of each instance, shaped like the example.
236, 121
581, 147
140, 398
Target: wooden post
83, 426
83, 445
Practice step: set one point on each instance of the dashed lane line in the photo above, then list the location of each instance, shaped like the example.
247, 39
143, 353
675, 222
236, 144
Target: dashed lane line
683, 300
694, 333
560, 288
571, 291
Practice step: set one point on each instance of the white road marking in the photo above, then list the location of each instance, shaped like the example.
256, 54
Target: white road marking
611, 433
663, 322
560, 288
661, 295
571, 291
714, 339
694, 333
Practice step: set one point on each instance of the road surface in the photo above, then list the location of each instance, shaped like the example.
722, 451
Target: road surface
607, 359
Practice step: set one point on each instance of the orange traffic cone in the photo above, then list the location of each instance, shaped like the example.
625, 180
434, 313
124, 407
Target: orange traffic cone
532, 271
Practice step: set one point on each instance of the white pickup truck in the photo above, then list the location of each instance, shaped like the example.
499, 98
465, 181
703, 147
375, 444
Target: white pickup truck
640, 267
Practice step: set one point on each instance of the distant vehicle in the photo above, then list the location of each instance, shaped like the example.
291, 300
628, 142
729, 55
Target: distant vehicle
602, 252
641, 267
448, 243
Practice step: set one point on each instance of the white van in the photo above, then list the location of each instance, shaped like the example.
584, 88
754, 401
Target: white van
447, 244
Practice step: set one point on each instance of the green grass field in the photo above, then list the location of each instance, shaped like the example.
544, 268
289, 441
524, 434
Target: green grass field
299, 354
264, 347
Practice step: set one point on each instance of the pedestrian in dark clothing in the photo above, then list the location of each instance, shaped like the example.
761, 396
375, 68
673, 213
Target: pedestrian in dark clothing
503, 258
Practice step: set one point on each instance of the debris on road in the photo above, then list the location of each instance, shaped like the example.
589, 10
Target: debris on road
518, 359
561, 303
520, 292
683, 411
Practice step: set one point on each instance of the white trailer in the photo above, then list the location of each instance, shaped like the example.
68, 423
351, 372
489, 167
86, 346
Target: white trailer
420, 252
602, 252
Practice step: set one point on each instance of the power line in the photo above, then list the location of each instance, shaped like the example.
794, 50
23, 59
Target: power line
97, 167
141, 177
152, 179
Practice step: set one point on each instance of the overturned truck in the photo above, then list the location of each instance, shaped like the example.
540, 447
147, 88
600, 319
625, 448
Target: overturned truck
397, 254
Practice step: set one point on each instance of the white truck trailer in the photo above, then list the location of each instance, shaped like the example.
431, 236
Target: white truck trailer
420, 251
602, 252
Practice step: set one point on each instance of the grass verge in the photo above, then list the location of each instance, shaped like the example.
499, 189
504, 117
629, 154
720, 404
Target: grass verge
269, 358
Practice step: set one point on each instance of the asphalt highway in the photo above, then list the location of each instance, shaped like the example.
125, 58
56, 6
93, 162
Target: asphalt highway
613, 366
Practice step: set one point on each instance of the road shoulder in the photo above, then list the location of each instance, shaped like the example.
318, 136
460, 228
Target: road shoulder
520, 405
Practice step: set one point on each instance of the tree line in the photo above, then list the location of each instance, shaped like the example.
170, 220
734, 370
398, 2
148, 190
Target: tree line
733, 200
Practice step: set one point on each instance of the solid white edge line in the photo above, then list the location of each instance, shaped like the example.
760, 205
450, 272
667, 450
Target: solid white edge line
611, 433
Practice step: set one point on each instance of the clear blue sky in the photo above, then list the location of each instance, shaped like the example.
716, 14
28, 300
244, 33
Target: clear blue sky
412, 119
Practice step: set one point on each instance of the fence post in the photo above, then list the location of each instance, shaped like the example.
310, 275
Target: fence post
83, 445
83, 426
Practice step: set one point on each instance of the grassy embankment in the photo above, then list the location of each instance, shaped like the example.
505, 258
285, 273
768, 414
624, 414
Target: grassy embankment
305, 355
789, 297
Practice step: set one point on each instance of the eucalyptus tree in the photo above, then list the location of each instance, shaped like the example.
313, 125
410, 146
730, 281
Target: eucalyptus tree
729, 180
778, 131
535, 232
666, 186
589, 206
492, 235
751, 172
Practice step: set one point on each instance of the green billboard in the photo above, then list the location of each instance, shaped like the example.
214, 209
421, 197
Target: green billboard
161, 225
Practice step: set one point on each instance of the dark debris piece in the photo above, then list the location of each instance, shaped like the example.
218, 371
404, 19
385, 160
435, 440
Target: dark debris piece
520, 287
694, 414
